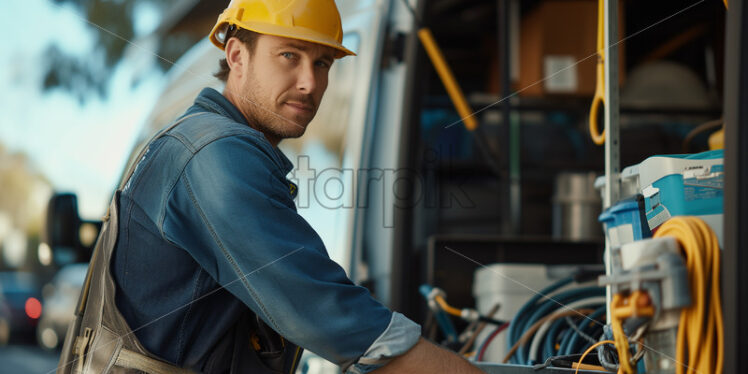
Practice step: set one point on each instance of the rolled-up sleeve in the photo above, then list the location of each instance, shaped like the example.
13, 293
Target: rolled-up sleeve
401, 335
233, 200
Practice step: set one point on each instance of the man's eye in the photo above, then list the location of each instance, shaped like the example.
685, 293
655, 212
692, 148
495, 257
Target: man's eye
323, 64
288, 55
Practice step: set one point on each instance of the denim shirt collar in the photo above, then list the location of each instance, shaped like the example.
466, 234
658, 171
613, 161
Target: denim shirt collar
214, 101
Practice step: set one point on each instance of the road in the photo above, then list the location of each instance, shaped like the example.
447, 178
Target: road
27, 359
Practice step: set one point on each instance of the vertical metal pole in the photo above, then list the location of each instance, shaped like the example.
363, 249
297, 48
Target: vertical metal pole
612, 145
510, 122
515, 187
735, 256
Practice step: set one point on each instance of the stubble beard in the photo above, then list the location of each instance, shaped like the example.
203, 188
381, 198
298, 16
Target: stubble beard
264, 118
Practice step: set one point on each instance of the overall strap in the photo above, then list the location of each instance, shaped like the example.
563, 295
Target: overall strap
127, 358
89, 344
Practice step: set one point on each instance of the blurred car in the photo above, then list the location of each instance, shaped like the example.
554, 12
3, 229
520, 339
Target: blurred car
59, 299
20, 307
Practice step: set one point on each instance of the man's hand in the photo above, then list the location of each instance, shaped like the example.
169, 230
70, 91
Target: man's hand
426, 357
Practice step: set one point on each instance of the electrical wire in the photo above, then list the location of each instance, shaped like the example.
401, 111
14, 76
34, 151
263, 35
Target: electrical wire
622, 308
550, 305
531, 331
466, 314
514, 329
560, 300
556, 342
564, 344
540, 334
468, 332
545, 302
446, 307
490, 320
488, 341
581, 359
606, 358
478, 330
578, 330
446, 325
552, 340
440, 316
564, 361
430, 325
699, 344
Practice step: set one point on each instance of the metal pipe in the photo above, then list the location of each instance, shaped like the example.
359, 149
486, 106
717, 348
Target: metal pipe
448, 79
509, 119
612, 145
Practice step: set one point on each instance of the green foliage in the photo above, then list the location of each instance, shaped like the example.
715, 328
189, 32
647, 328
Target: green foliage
24, 191
113, 25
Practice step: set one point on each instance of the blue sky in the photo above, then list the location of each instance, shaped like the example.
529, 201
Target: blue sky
82, 148
79, 148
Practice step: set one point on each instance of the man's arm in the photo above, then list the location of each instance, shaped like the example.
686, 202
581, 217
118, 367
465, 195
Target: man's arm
426, 357
234, 214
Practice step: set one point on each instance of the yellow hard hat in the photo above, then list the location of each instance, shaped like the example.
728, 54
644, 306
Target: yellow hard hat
316, 21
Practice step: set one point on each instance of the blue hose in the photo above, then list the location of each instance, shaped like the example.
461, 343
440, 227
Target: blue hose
583, 347
560, 300
442, 319
515, 331
554, 336
583, 326
565, 340
549, 342
549, 306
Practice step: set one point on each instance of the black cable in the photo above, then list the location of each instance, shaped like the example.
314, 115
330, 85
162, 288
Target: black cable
608, 358
562, 361
491, 320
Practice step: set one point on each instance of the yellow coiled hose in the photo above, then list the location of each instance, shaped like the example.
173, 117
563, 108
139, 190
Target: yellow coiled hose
700, 331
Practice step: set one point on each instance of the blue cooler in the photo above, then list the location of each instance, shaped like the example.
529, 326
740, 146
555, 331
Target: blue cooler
625, 222
681, 185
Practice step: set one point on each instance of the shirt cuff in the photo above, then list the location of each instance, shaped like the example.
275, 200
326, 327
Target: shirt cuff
399, 337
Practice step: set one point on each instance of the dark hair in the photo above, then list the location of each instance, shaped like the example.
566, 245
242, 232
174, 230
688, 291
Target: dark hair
249, 38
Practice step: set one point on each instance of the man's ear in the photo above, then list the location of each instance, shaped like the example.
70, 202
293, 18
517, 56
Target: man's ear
235, 55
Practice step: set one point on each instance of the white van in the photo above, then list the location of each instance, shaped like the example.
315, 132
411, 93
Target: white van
387, 175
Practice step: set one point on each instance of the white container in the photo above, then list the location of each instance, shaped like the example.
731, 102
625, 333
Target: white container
511, 286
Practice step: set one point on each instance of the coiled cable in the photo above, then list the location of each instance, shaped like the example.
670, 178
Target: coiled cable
700, 336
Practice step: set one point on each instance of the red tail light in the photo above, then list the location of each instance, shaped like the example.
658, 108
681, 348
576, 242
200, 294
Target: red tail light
33, 308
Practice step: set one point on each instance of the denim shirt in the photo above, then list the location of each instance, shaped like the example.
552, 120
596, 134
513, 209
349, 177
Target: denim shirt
208, 228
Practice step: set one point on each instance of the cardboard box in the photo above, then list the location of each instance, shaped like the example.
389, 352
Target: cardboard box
558, 35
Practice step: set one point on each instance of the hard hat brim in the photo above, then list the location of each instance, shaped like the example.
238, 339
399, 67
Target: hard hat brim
299, 33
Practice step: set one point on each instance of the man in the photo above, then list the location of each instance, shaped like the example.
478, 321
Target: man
215, 270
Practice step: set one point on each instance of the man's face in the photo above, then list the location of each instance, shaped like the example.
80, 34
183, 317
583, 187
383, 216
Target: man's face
280, 84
